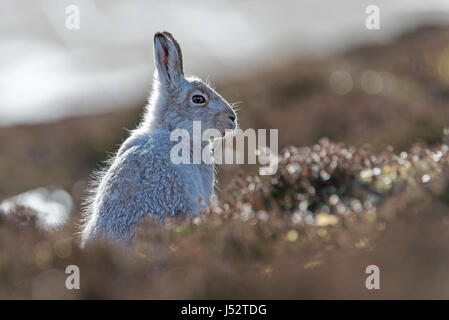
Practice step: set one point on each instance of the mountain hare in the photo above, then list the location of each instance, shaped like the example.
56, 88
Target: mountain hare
142, 181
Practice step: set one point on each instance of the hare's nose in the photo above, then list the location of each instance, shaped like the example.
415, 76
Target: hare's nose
232, 118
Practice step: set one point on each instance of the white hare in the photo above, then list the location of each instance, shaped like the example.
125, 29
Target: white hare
142, 181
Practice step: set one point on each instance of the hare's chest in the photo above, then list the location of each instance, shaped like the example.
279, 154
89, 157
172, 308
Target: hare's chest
208, 177
198, 181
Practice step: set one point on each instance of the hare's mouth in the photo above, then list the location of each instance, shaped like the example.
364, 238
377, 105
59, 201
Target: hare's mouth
231, 123
229, 126
230, 129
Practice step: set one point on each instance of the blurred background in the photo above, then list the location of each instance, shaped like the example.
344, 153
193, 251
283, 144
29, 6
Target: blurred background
49, 71
308, 68
311, 69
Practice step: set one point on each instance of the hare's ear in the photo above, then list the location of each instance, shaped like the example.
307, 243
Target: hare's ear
167, 59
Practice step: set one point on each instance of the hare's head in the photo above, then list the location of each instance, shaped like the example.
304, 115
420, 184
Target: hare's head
178, 100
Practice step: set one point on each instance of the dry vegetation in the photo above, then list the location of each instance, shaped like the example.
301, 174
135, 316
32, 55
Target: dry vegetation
307, 232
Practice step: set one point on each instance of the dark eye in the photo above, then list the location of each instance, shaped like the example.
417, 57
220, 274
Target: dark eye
199, 99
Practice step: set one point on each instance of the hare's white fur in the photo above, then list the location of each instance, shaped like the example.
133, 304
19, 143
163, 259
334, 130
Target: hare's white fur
141, 181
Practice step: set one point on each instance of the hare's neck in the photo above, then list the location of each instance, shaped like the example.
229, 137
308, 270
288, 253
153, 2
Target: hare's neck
204, 161
201, 153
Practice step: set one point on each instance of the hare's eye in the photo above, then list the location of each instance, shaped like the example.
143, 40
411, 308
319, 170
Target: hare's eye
198, 99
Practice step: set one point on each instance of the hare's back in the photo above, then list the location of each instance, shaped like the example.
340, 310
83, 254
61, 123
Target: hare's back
142, 181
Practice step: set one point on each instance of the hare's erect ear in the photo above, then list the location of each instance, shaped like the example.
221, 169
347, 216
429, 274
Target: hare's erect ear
167, 58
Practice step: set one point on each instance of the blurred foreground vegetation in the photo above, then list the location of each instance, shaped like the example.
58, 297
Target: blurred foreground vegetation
374, 192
